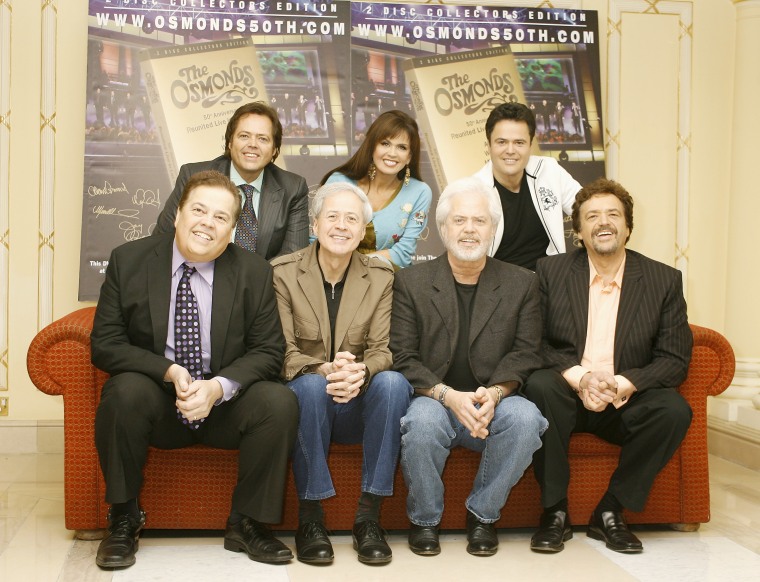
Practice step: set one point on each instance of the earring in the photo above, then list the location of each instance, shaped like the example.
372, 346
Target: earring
372, 172
407, 176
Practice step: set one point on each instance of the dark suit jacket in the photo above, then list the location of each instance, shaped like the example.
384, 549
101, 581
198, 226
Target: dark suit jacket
652, 338
132, 316
505, 328
283, 207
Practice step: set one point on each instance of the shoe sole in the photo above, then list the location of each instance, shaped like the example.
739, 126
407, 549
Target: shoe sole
482, 552
596, 534
315, 561
365, 560
419, 552
111, 565
553, 549
237, 547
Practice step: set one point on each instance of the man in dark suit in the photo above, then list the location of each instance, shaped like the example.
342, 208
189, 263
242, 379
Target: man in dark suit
171, 387
275, 219
466, 332
617, 343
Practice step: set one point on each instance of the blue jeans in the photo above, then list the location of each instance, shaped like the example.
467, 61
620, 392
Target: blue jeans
429, 432
372, 419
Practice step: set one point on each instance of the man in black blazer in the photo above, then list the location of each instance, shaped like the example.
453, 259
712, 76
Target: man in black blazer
280, 200
154, 397
465, 331
617, 344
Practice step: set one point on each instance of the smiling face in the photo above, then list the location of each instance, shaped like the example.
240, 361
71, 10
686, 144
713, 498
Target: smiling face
252, 145
510, 151
340, 224
204, 223
468, 230
603, 227
392, 154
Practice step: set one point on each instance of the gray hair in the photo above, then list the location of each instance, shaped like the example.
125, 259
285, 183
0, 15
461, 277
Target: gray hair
334, 188
470, 186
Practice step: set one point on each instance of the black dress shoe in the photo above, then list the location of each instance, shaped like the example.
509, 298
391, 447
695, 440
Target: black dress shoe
481, 537
312, 544
118, 548
369, 542
553, 530
423, 540
256, 540
611, 528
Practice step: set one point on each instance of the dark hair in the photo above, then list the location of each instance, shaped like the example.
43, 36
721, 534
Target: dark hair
387, 125
512, 112
598, 187
214, 179
254, 108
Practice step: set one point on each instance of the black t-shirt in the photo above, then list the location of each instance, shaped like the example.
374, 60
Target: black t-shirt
524, 240
460, 376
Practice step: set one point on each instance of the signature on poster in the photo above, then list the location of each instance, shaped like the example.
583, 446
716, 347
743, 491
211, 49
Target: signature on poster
107, 189
101, 210
145, 197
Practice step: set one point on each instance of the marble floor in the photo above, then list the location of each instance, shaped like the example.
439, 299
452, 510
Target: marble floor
35, 546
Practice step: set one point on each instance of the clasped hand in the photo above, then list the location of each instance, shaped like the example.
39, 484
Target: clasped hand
345, 377
474, 410
598, 389
195, 398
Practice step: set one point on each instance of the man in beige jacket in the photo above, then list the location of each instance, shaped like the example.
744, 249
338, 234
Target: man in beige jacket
335, 306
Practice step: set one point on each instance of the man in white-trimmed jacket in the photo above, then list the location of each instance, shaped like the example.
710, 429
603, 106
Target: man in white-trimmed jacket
534, 191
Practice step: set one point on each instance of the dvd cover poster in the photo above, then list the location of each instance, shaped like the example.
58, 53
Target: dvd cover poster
152, 69
452, 95
555, 53
194, 89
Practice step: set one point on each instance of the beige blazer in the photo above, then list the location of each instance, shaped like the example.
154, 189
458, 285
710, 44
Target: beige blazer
364, 318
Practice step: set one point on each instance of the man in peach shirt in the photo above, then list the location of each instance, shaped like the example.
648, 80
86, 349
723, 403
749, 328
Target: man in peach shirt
617, 344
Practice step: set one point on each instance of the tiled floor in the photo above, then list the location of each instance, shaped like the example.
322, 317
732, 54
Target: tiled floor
35, 546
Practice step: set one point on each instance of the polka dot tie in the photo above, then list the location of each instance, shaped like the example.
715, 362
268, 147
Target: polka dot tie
247, 230
187, 334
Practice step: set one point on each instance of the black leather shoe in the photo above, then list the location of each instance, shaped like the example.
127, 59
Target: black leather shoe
481, 537
611, 528
423, 540
369, 542
553, 530
312, 544
118, 548
256, 540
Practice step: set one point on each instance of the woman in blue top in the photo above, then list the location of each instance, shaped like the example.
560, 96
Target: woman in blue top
387, 167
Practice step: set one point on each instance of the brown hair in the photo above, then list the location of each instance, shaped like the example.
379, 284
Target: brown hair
387, 125
598, 187
254, 108
214, 179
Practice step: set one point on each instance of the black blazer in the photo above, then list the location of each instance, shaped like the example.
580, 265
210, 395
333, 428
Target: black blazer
653, 339
505, 328
283, 208
132, 316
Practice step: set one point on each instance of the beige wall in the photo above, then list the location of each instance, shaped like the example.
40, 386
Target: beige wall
668, 170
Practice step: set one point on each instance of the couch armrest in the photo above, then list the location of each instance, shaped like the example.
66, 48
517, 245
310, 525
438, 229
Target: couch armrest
59, 355
712, 362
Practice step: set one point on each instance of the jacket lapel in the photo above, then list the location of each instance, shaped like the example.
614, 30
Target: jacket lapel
311, 283
486, 301
445, 300
577, 293
159, 276
270, 202
222, 301
630, 299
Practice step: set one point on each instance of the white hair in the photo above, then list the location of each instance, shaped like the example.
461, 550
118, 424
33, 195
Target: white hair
470, 186
334, 188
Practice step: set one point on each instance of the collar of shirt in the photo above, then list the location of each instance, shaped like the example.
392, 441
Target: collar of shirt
205, 270
238, 180
594, 275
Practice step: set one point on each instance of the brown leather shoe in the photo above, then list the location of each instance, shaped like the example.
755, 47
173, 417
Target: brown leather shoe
611, 528
256, 540
553, 530
118, 548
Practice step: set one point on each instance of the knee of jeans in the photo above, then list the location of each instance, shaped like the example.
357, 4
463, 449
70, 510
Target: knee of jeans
309, 388
522, 415
391, 386
419, 425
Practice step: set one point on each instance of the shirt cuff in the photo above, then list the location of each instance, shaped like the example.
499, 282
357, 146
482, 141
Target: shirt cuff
623, 385
229, 387
573, 376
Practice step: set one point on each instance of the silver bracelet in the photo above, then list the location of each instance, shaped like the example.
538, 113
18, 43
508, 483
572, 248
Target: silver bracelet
499, 393
442, 395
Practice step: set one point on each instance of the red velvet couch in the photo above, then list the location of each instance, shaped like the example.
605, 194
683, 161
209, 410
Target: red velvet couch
191, 488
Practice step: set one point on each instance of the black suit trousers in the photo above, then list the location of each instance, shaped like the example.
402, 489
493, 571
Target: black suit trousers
135, 413
648, 429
